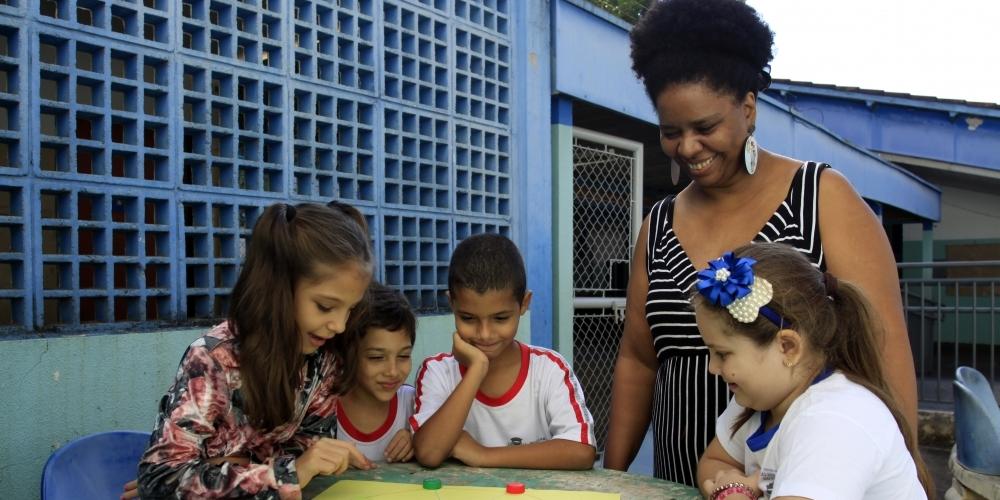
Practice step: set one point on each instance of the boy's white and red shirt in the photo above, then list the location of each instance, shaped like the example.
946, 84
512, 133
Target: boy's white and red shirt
373, 444
545, 402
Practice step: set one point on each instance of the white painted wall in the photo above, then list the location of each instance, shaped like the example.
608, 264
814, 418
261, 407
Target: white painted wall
965, 214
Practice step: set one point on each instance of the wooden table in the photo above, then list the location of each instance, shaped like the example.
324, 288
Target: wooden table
630, 486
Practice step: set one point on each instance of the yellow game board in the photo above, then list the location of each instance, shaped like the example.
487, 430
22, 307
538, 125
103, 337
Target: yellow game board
349, 489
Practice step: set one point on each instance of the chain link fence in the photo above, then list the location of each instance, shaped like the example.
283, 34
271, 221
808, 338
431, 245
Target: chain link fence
604, 180
602, 201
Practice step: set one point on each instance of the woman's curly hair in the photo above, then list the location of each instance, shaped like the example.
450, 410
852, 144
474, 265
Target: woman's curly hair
722, 43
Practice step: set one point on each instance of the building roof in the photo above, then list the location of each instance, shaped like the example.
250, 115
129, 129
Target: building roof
952, 106
591, 63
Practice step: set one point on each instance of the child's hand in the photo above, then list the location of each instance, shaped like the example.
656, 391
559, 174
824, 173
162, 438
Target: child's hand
468, 450
329, 457
130, 490
733, 476
400, 448
468, 354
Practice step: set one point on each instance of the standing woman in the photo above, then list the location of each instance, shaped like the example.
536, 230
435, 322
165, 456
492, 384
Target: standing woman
703, 63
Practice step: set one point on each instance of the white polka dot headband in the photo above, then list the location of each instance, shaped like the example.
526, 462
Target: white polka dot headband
730, 282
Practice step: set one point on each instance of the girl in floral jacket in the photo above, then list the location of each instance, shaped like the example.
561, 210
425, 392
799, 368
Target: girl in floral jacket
252, 410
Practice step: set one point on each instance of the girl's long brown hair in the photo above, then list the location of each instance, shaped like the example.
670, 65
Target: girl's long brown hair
835, 319
288, 244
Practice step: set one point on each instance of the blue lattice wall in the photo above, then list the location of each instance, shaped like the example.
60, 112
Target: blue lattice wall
139, 141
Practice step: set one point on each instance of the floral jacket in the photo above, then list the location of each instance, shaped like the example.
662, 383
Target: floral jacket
201, 417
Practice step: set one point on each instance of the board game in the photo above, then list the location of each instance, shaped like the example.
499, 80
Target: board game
434, 490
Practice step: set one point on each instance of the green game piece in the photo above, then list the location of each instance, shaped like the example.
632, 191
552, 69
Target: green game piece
432, 483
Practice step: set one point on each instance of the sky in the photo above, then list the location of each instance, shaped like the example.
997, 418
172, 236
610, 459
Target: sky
946, 49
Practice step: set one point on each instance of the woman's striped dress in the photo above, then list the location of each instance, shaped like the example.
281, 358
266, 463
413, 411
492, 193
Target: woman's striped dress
686, 398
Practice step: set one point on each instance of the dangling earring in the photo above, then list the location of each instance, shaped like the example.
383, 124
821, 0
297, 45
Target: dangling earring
750, 153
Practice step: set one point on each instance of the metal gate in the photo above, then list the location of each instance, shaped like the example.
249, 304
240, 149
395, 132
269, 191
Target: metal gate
607, 214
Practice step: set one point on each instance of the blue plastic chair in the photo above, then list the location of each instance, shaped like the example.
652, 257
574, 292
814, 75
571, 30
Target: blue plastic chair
94, 466
977, 422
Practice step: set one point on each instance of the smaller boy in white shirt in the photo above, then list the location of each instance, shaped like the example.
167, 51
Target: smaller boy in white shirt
494, 401
373, 414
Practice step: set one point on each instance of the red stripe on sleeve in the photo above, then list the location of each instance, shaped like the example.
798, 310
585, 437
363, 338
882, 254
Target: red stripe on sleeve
420, 379
577, 409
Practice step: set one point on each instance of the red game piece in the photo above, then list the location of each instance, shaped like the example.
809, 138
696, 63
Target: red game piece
515, 488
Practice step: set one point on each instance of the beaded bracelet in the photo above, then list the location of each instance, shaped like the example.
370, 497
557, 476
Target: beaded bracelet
727, 489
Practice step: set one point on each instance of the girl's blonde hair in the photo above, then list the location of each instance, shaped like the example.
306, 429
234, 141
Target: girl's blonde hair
833, 317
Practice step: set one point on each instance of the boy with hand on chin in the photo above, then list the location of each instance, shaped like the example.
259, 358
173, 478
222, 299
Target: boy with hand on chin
494, 401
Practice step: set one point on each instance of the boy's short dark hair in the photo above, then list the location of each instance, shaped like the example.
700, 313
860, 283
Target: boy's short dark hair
487, 262
387, 309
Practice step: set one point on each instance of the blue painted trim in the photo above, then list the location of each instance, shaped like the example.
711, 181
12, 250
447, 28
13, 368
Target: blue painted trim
787, 132
534, 220
918, 132
784, 107
992, 111
562, 110
592, 61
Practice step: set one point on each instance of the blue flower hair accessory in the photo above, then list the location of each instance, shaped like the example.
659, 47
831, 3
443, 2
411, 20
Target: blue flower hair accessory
730, 282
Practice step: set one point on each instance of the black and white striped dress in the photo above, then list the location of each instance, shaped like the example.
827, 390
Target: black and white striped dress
687, 399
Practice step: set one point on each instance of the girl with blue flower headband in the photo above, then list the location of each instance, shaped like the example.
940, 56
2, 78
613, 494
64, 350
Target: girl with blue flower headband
812, 415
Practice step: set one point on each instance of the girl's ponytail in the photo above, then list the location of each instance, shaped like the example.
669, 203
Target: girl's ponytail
854, 350
268, 363
857, 337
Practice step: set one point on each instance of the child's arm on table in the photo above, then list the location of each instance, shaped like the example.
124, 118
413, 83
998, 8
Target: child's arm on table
550, 454
434, 440
400, 448
717, 467
569, 424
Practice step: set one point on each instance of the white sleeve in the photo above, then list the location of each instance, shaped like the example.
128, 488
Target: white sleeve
565, 408
433, 388
825, 455
406, 394
732, 442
